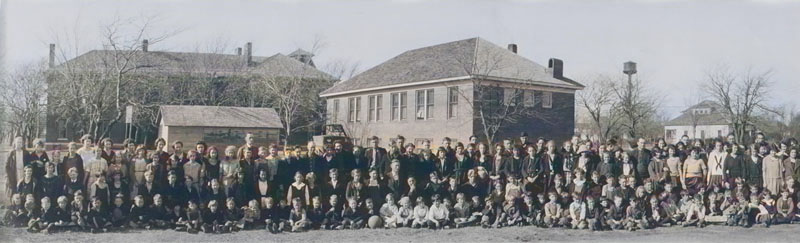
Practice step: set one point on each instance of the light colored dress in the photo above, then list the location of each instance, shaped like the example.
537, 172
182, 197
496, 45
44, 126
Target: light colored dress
772, 169
229, 167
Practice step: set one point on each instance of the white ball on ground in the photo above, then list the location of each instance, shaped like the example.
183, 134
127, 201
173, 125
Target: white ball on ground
375, 222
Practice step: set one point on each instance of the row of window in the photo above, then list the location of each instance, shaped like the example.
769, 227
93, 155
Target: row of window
425, 103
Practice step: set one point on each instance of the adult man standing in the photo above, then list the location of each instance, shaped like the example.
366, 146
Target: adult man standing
249, 144
643, 156
15, 165
377, 158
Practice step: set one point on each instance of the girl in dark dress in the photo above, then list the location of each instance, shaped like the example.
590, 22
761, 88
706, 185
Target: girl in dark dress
52, 184
119, 186
375, 188
211, 165
100, 190
298, 189
28, 185
462, 165
39, 158
314, 190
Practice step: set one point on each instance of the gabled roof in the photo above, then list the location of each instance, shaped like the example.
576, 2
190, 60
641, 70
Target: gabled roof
461, 59
300, 52
219, 116
689, 118
202, 63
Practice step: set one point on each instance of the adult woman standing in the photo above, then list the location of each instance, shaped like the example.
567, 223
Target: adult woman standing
773, 170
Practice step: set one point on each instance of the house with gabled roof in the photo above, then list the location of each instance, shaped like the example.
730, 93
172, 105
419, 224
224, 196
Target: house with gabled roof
703, 120
431, 92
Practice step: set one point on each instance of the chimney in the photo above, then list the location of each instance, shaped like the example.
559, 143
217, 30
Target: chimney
556, 66
512, 48
145, 43
52, 60
248, 53
238, 51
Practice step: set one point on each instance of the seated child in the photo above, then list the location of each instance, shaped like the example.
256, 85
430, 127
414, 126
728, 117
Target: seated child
552, 212
463, 212
616, 214
438, 215
696, 212
159, 216
119, 216
512, 214
298, 219
15, 215
46, 219
252, 215
387, 212
212, 219
333, 217
191, 220
420, 212
271, 216
139, 214
351, 215
231, 217
785, 207
98, 217
577, 212
766, 211
78, 211
404, 214
635, 216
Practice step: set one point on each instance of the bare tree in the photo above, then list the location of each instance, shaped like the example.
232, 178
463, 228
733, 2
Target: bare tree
93, 93
23, 93
599, 101
741, 95
636, 105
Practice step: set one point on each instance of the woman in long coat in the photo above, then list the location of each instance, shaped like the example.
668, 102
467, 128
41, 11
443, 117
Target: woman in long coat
772, 171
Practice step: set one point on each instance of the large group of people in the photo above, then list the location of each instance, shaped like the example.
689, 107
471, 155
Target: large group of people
577, 184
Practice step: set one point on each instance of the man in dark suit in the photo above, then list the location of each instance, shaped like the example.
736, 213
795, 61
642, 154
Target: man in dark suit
377, 158
642, 155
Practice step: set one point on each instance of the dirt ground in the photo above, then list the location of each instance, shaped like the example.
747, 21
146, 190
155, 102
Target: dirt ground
778, 233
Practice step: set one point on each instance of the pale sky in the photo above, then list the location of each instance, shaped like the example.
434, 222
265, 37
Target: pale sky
673, 42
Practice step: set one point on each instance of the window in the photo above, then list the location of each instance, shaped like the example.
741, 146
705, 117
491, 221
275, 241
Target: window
452, 102
62, 130
527, 98
510, 96
354, 105
375, 103
670, 134
702, 134
335, 111
719, 133
399, 102
547, 100
685, 133
424, 104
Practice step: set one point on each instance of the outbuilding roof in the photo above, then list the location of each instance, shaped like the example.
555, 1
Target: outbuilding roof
219, 116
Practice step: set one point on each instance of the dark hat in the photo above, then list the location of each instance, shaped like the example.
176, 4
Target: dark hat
523, 134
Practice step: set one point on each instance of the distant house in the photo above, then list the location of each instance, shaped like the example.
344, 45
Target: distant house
227, 75
218, 125
703, 120
428, 93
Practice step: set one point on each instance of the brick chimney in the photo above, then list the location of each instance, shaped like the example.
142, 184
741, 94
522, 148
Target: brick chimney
145, 44
512, 48
248, 53
52, 61
556, 66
